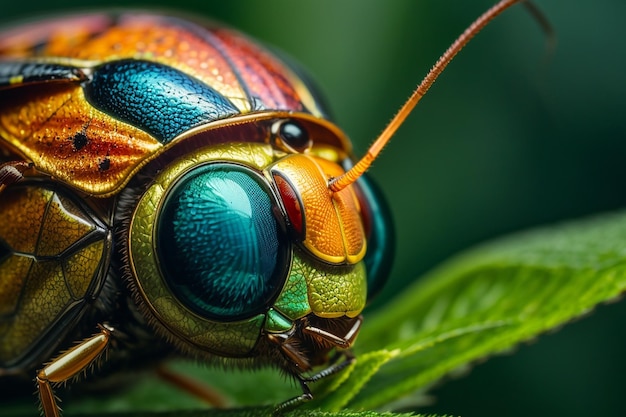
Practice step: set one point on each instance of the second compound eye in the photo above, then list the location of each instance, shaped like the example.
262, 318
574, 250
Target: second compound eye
291, 136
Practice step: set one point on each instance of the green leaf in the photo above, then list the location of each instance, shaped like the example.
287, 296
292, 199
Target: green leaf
490, 299
348, 384
478, 304
259, 412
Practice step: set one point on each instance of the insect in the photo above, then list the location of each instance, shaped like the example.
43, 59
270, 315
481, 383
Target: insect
170, 186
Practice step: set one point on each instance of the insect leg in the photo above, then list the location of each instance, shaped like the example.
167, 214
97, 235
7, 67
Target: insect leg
193, 387
68, 365
11, 172
306, 395
335, 366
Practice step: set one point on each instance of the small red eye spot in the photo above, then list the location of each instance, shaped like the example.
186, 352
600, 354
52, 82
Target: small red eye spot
292, 204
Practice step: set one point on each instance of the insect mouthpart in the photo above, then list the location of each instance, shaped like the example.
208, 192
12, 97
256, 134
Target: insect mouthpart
308, 343
169, 186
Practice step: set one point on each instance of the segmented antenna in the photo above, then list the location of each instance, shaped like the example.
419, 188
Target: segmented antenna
339, 183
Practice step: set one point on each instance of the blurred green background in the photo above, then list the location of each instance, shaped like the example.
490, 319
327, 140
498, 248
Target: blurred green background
508, 138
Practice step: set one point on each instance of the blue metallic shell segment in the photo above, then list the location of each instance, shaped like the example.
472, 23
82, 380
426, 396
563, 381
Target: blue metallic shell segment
158, 99
219, 244
18, 73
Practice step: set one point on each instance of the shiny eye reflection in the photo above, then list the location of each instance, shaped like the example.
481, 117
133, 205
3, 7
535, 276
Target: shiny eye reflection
291, 135
221, 249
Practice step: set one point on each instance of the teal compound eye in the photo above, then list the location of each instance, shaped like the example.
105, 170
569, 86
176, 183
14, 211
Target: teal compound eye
221, 249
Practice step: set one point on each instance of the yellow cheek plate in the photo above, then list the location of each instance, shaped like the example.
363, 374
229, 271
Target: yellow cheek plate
325, 291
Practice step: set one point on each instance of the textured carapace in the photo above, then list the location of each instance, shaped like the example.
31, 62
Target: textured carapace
170, 186
173, 178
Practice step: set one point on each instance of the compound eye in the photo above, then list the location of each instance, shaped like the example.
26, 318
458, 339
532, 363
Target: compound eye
221, 250
291, 136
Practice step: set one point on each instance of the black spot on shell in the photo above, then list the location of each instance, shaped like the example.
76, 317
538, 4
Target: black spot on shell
80, 140
104, 164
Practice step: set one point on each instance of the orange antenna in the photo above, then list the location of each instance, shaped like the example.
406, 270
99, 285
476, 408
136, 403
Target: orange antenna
339, 183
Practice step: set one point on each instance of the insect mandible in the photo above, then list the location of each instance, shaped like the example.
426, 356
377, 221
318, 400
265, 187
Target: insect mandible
171, 186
